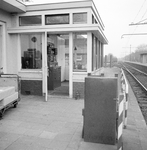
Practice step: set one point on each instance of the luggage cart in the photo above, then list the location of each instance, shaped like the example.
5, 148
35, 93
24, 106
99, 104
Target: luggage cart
9, 80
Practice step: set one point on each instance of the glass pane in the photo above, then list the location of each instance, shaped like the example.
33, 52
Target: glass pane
94, 52
80, 18
31, 51
29, 20
92, 19
57, 19
80, 52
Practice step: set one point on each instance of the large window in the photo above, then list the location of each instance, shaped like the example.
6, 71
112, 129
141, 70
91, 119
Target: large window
30, 20
80, 52
80, 18
31, 51
57, 19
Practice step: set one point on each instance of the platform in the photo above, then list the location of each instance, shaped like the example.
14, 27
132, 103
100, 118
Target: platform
57, 125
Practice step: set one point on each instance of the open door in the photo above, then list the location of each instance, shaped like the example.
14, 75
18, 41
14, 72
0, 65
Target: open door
58, 59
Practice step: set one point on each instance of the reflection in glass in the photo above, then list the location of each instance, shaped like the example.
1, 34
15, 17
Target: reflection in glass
30, 20
80, 18
57, 19
80, 52
31, 51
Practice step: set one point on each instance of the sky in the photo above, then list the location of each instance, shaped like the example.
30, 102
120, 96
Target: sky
117, 15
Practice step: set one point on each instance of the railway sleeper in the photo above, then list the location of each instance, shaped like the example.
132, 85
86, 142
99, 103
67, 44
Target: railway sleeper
140, 95
142, 99
139, 92
144, 114
143, 105
142, 102
144, 109
136, 87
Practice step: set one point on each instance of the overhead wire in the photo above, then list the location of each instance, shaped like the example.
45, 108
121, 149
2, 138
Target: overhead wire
139, 10
142, 20
135, 18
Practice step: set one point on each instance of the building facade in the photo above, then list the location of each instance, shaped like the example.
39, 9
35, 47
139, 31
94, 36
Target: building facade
47, 44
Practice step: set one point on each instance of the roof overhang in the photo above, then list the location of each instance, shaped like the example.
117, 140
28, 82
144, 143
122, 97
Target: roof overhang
12, 6
94, 28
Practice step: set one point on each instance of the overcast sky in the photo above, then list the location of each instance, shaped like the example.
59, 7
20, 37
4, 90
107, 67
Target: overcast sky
116, 16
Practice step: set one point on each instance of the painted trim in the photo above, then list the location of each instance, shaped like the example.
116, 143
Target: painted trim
44, 65
19, 53
70, 65
89, 52
89, 17
62, 28
59, 5
46, 68
71, 18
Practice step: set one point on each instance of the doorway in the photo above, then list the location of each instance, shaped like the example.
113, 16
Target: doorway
58, 64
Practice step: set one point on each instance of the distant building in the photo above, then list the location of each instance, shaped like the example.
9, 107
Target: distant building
47, 44
143, 57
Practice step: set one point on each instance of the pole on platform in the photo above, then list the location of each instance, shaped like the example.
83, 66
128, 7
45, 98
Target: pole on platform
120, 122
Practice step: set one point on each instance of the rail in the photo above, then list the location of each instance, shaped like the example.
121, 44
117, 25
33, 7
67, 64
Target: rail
125, 68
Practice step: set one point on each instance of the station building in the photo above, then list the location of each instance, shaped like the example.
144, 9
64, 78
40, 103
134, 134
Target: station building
48, 44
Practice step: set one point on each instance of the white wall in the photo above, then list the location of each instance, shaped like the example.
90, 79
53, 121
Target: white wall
12, 54
5, 21
5, 17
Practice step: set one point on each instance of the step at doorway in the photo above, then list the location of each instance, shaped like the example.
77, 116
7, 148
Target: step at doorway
63, 90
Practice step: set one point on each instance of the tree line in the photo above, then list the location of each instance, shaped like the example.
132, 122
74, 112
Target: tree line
136, 55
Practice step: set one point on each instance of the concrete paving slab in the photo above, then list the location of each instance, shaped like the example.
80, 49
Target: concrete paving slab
95, 146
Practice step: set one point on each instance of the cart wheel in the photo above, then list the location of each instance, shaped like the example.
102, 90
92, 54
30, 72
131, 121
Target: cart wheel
83, 132
1, 114
15, 104
1, 117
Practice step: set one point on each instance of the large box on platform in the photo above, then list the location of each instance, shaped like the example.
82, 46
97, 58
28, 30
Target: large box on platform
100, 110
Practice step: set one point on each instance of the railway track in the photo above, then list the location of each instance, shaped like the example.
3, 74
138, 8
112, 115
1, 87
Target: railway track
138, 82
